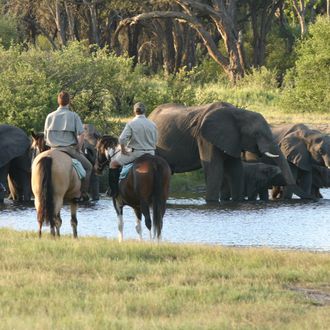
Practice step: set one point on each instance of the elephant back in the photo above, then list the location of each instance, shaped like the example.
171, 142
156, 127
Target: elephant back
13, 143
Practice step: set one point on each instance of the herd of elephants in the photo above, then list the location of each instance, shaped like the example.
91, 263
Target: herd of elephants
242, 156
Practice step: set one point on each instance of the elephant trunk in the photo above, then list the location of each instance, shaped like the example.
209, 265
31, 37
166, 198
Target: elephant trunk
285, 168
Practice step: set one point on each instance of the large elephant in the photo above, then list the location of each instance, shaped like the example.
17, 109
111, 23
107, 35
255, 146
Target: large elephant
15, 163
258, 178
303, 147
213, 136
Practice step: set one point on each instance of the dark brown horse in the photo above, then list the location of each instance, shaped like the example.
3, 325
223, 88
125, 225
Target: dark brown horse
146, 184
53, 181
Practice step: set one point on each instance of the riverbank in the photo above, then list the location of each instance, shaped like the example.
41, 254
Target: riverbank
95, 283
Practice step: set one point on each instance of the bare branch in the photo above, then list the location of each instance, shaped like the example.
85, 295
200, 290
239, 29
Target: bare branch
194, 23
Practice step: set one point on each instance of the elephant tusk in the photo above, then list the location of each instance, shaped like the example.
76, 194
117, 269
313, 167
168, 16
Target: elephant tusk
268, 154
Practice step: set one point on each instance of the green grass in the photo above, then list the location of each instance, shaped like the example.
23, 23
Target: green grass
95, 283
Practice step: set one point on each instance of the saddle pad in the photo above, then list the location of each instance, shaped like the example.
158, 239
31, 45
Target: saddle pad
124, 171
79, 168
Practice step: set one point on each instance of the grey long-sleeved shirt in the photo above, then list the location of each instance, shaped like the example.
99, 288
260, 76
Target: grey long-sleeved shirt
62, 127
139, 134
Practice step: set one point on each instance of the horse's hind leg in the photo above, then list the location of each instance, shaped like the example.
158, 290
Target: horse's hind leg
58, 224
74, 221
146, 213
138, 222
40, 217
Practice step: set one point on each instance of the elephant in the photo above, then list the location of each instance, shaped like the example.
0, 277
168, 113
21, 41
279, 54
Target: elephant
212, 136
15, 163
303, 147
320, 179
258, 178
89, 149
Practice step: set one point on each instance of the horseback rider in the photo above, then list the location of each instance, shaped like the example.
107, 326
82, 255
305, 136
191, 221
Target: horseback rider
139, 137
64, 131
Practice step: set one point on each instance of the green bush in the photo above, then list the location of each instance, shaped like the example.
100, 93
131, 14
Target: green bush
8, 31
255, 91
307, 84
102, 84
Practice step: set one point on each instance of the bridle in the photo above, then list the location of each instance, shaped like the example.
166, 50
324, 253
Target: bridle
106, 154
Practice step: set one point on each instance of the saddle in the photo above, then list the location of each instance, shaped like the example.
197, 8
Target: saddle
124, 171
79, 168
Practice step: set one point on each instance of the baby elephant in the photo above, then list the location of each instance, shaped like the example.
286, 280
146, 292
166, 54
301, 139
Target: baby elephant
258, 178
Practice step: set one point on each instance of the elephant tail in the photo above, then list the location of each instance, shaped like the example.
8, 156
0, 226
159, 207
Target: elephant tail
46, 209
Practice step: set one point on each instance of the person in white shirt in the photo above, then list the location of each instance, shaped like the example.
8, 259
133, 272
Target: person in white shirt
64, 131
139, 137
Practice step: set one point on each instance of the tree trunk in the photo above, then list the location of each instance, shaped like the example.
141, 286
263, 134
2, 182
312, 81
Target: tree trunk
60, 22
94, 36
168, 49
133, 39
301, 12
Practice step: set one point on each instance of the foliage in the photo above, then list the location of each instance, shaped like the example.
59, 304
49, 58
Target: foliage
8, 31
307, 84
255, 91
102, 84
95, 283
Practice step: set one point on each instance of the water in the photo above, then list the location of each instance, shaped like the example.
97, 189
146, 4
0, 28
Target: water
293, 224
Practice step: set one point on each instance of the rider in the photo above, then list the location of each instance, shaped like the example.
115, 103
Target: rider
140, 137
64, 131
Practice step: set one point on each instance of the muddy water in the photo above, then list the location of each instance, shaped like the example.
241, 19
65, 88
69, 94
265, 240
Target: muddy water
277, 224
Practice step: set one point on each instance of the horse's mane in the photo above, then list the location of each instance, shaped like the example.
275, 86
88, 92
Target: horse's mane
107, 141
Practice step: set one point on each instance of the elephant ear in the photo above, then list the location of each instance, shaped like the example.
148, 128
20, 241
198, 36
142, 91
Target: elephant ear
13, 143
295, 151
218, 127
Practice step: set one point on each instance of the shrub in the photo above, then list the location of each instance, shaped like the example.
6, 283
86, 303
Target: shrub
307, 84
8, 31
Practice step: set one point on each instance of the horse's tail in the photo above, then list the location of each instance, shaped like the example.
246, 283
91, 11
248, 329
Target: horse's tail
159, 196
46, 198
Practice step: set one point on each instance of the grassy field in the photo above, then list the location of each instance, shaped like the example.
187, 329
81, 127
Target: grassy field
95, 283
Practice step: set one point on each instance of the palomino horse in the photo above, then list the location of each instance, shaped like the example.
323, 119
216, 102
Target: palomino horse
54, 180
146, 184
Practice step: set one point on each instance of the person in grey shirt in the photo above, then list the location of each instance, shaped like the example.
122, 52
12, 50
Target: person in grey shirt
64, 131
139, 137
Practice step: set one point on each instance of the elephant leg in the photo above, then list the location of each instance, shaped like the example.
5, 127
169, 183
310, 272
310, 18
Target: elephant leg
3, 182
234, 171
287, 190
305, 181
225, 194
212, 160
94, 187
263, 194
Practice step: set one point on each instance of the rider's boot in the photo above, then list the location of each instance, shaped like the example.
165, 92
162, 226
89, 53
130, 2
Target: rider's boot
113, 181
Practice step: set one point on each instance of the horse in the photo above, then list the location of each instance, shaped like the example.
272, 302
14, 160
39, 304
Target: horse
146, 184
53, 180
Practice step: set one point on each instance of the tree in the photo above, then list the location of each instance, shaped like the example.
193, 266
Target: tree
307, 85
219, 15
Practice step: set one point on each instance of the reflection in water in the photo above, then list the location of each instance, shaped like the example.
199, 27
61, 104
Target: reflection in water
292, 224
